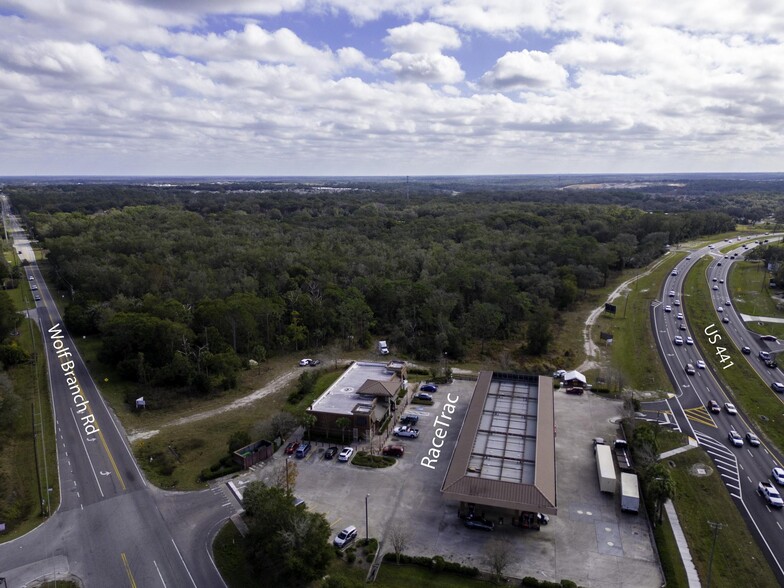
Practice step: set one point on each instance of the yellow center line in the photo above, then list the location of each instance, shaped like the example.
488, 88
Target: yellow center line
108, 453
128, 570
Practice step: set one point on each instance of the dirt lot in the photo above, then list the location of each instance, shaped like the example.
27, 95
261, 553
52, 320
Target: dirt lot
590, 541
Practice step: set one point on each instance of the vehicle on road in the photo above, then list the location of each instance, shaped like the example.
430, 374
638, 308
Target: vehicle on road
727, 303
730, 408
676, 302
622, 455
331, 452
689, 341
771, 363
735, 439
34, 287
763, 355
713, 406
37, 297
777, 387
346, 454
423, 396
768, 491
700, 364
394, 450
690, 369
678, 340
721, 280
679, 316
715, 287
725, 320
667, 308
304, 362
671, 294
428, 388
719, 309
681, 326
778, 475
768, 338
479, 524
405, 431
746, 350
345, 537
752, 439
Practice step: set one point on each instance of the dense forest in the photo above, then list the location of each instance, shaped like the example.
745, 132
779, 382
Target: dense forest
186, 282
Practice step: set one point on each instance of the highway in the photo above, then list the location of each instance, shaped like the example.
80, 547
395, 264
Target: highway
111, 528
740, 468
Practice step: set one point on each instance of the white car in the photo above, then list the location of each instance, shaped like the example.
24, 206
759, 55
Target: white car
728, 303
676, 302
689, 341
721, 281
668, 308
304, 362
346, 454
735, 439
715, 287
730, 408
672, 294
719, 309
680, 316
558, 374
678, 340
778, 475
700, 364
688, 257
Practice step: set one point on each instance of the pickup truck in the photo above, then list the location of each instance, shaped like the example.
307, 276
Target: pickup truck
622, 455
768, 491
401, 431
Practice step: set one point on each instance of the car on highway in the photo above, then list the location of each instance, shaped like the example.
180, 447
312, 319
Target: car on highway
725, 320
690, 369
700, 364
676, 302
428, 388
771, 363
346, 454
778, 475
291, 447
730, 408
718, 263
689, 341
671, 294
752, 439
777, 387
715, 279
768, 338
735, 439
679, 316
745, 350
719, 309
721, 280
668, 308
768, 491
304, 362
37, 297
727, 303
479, 524
405, 431
681, 326
715, 287
34, 287
764, 355
713, 406
331, 452
394, 450
423, 396
688, 258
678, 340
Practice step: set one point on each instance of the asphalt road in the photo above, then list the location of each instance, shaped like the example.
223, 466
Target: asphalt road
111, 528
741, 468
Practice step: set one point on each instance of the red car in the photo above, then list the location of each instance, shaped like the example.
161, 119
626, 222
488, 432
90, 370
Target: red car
291, 447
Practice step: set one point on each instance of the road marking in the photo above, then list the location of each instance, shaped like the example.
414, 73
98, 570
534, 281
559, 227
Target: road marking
701, 415
159, 573
779, 525
128, 570
87, 453
183, 564
109, 455
750, 480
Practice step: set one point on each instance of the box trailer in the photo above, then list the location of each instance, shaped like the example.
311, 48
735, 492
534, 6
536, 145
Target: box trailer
630, 493
605, 467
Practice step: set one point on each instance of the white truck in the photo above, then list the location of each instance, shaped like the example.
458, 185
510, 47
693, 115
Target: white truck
630, 493
605, 467
405, 431
382, 348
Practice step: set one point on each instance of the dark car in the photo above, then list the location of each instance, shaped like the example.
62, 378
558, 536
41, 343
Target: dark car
291, 447
713, 406
777, 387
314, 362
423, 396
394, 450
428, 388
479, 524
331, 452
37, 297
746, 350
409, 419
768, 338
771, 363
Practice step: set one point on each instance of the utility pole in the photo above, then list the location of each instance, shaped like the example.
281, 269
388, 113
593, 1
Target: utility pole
716, 527
35, 453
367, 532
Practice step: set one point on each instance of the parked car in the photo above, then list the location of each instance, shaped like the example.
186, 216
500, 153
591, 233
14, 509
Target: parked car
304, 362
746, 350
346, 454
713, 406
730, 408
304, 449
394, 450
777, 387
768, 338
735, 439
423, 396
314, 362
405, 431
752, 439
331, 452
345, 537
291, 447
409, 419
428, 388
778, 475
558, 374
479, 524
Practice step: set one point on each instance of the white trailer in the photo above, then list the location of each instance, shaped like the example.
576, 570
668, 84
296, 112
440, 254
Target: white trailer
605, 467
630, 493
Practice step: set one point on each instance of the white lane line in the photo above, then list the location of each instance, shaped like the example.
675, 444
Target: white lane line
87, 453
183, 564
749, 479
779, 525
735, 496
159, 573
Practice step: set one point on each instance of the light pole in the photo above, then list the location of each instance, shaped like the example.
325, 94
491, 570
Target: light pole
367, 532
287, 475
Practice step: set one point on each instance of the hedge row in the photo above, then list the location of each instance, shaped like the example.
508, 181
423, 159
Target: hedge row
531, 582
210, 474
363, 458
437, 564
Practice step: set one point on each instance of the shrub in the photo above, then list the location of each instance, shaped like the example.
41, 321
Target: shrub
351, 557
363, 458
530, 581
420, 401
568, 584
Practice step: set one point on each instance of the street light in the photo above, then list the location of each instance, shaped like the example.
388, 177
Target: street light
367, 532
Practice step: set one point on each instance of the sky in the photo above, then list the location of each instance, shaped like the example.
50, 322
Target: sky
390, 87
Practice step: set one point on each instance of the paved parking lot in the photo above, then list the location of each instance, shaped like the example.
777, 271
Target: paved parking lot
590, 541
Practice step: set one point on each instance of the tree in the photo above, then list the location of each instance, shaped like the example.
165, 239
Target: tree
283, 476
399, 536
539, 335
342, 423
281, 424
238, 440
307, 421
483, 321
660, 487
288, 545
498, 556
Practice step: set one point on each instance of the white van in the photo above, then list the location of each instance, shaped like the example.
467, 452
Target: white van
382, 348
346, 536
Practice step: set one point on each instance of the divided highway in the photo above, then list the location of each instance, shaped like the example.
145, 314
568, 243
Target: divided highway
111, 528
741, 467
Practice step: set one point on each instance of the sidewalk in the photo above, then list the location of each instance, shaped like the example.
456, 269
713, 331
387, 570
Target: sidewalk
683, 546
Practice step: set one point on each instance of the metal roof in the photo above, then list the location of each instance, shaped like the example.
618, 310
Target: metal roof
505, 454
361, 381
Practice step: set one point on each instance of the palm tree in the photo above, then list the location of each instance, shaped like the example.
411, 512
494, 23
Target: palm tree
307, 420
343, 424
660, 488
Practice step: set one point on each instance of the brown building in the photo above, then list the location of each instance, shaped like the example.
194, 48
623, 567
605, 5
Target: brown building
505, 455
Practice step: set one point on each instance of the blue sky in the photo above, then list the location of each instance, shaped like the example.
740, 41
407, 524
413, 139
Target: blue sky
389, 87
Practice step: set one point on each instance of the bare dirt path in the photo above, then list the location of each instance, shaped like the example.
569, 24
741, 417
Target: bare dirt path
273, 386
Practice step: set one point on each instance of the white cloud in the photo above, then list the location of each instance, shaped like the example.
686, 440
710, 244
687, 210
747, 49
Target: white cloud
428, 37
525, 70
425, 67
